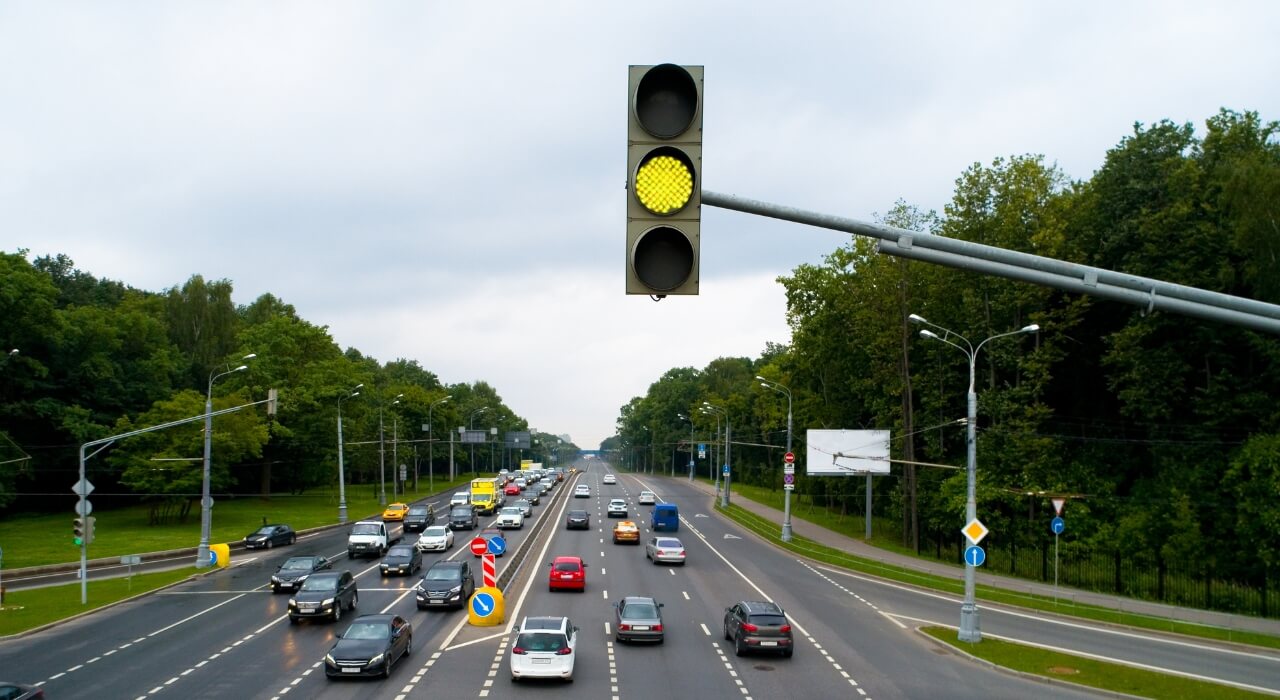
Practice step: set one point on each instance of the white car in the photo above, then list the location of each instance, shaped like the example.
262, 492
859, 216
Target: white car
647, 498
581, 491
435, 538
544, 648
511, 517
461, 498
609, 479
617, 507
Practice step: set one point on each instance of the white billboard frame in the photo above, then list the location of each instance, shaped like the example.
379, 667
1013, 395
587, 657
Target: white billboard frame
846, 452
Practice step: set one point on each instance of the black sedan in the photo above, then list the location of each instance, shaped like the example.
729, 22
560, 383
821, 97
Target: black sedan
370, 647
295, 570
578, 520
402, 559
269, 536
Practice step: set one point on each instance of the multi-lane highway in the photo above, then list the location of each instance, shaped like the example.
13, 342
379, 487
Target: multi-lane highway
227, 635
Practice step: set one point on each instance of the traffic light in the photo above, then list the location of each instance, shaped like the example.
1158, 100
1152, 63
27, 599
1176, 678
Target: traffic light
80, 528
664, 178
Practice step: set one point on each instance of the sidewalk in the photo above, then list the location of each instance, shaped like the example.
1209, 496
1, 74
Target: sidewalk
859, 548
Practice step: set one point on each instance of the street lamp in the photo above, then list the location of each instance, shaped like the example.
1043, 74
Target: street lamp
431, 445
206, 502
382, 453
472, 423
969, 625
342, 479
728, 451
786, 488
715, 444
691, 438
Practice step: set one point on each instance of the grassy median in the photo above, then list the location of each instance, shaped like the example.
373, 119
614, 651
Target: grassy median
30, 608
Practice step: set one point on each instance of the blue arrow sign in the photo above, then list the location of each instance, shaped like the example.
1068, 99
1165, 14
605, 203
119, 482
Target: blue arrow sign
482, 604
497, 546
725, 470
1057, 525
974, 555
213, 558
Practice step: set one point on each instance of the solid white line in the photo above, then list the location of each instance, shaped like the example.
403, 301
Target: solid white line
188, 619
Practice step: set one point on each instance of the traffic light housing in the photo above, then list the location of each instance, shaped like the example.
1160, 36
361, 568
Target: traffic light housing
80, 528
664, 178
91, 525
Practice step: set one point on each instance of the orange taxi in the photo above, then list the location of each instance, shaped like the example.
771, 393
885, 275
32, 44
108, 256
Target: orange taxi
395, 511
626, 531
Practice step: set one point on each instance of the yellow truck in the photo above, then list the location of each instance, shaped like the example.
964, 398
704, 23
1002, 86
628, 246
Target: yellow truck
485, 495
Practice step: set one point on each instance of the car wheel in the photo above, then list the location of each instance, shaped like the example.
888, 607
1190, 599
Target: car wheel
337, 611
515, 679
738, 647
408, 646
662, 640
386, 668
293, 539
293, 620
271, 543
354, 599
727, 636
351, 555
787, 654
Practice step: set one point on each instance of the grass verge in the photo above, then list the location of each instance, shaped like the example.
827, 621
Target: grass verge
1090, 672
768, 530
30, 608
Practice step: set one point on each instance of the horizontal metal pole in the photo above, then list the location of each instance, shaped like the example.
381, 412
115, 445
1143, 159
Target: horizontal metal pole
1088, 277
1148, 301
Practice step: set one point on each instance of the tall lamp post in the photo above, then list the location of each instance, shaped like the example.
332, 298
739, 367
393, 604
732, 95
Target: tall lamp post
472, 424
786, 488
691, 437
342, 477
206, 501
970, 629
431, 445
728, 451
382, 454
715, 447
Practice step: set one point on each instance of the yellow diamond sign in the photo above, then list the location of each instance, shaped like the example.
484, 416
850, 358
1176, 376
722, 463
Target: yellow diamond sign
975, 531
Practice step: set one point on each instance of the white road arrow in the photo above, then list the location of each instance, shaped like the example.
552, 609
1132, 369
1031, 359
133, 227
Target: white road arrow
731, 537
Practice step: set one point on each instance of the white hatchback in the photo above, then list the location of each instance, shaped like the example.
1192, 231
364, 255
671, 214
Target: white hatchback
544, 648
582, 491
647, 498
435, 538
609, 479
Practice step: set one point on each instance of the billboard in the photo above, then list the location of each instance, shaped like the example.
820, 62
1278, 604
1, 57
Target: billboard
846, 452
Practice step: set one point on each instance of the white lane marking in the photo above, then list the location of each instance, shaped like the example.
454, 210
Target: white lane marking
1108, 659
1064, 623
686, 595
705, 631
605, 593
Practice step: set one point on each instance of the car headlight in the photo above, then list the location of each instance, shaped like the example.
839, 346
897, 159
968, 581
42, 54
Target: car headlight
375, 659
301, 578
275, 579
327, 602
293, 603
328, 658
456, 589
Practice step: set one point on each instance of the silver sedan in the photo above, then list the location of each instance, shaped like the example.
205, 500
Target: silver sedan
665, 549
638, 619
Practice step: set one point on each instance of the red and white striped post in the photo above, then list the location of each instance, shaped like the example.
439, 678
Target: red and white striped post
489, 570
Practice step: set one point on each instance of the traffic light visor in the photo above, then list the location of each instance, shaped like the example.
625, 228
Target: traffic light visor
666, 101
664, 181
663, 258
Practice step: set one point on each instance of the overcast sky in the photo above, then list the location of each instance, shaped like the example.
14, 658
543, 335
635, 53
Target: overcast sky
443, 182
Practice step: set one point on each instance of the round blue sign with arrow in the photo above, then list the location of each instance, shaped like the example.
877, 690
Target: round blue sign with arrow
497, 546
1057, 525
974, 555
725, 470
482, 604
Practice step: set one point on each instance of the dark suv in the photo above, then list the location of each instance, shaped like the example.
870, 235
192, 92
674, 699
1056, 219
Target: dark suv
447, 584
324, 594
419, 518
463, 517
758, 626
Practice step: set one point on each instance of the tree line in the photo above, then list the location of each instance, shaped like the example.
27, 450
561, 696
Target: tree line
1161, 431
88, 358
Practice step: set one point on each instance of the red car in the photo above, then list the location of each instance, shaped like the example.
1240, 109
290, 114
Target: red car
568, 573
512, 489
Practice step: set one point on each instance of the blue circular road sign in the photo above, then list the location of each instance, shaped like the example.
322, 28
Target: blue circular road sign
1057, 525
725, 470
497, 546
974, 555
482, 604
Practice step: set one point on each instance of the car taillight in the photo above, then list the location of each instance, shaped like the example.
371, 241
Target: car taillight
624, 626
661, 553
682, 554
748, 627
786, 629
656, 628
518, 650
564, 652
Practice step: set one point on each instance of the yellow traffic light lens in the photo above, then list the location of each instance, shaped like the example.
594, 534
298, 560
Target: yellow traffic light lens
664, 184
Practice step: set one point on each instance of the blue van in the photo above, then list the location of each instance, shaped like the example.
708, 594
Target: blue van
665, 516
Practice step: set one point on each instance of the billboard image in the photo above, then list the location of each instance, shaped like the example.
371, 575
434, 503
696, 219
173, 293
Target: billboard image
846, 452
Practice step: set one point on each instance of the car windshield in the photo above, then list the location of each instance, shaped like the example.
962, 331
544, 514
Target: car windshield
366, 630
266, 530
541, 641
577, 514
567, 566
769, 620
511, 511
400, 552
297, 564
669, 543
464, 511
324, 583
435, 531
442, 575
418, 510
640, 611
366, 529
